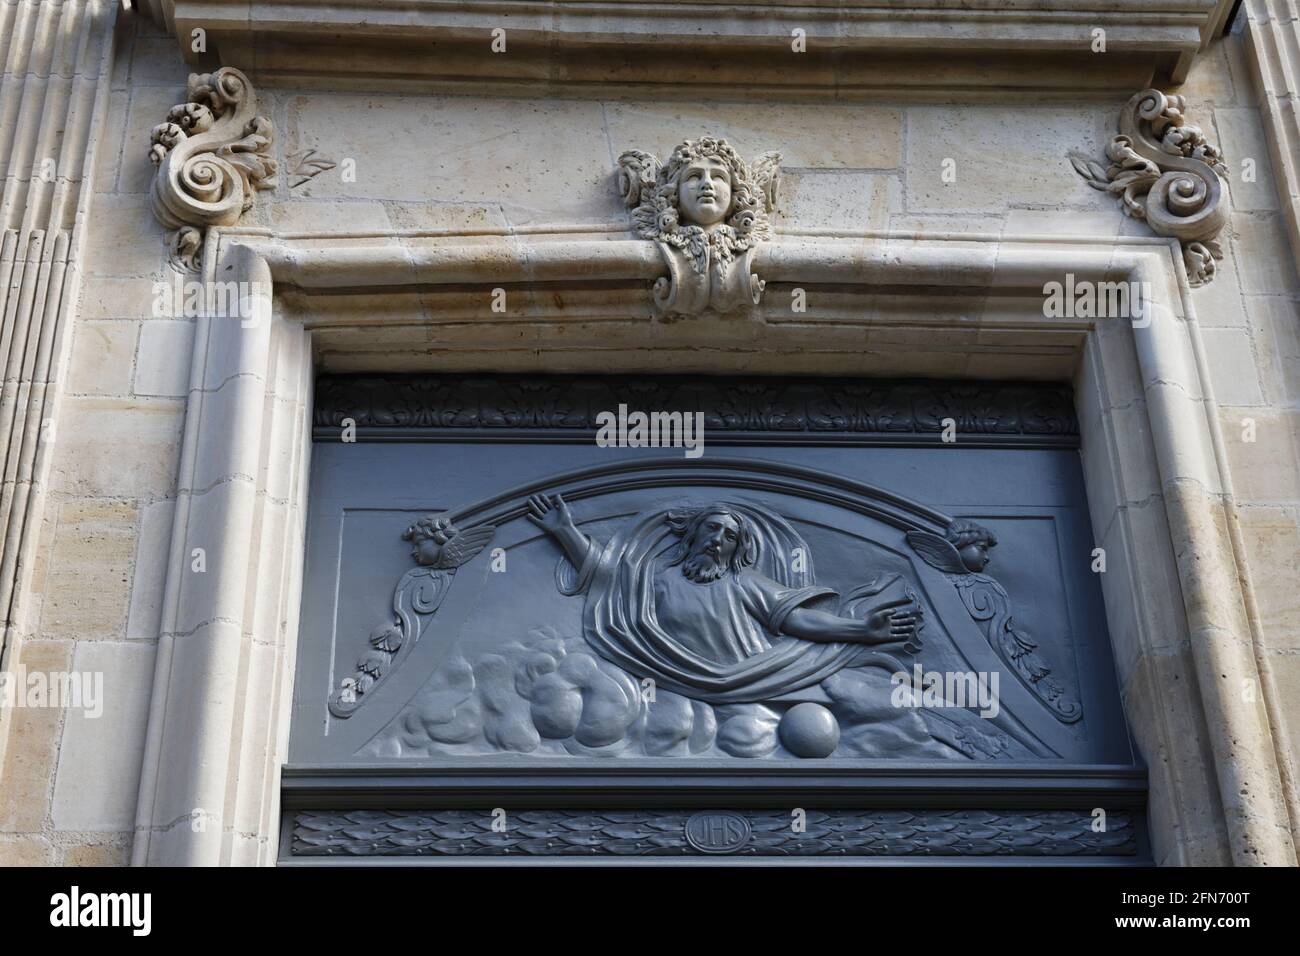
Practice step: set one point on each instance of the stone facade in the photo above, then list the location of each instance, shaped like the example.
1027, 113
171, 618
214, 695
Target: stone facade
372, 173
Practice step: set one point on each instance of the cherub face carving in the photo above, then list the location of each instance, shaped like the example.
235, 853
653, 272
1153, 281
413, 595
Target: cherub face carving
427, 536
704, 191
972, 542
705, 187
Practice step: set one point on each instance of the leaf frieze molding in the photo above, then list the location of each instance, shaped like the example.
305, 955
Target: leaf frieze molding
794, 408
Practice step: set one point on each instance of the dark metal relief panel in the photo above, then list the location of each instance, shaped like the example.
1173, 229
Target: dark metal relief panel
882, 588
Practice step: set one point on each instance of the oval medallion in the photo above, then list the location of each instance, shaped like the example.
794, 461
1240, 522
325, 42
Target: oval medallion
717, 831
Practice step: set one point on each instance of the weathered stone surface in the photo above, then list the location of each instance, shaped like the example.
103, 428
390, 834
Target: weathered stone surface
465, 149
97, 854
1275, 329
90, 570
103, 357
150, 574
1272, 541
99, 759
1251, 184
1267, 469
100, 434
26, 851
1258, 238
1233, 372
998, 158
126, 241
161, 366
828, 137
27, 780
839, 201
116, 298
1210, 80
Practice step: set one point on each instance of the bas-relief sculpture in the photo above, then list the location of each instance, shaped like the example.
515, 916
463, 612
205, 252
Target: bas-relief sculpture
1167, 173
438, 549
703, 633
706, 210
600, 621
963, 554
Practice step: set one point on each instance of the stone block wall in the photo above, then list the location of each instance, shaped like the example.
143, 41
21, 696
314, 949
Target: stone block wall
68, 788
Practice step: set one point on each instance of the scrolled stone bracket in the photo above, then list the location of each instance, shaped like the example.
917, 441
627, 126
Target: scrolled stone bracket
1165, 171
212, 155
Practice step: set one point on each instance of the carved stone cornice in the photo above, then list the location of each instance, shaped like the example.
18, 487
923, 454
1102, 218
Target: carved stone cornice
809, 409
1030, 45
212, 154
1167, 173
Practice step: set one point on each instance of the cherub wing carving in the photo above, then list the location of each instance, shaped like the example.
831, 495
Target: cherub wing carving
464, 545
766, 170
937, 551
637, 171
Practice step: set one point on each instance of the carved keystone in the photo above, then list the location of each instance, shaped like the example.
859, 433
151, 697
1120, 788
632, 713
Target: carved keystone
212, 154
706, 210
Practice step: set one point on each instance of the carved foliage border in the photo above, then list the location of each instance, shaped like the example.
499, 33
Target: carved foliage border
736, 405
639, 832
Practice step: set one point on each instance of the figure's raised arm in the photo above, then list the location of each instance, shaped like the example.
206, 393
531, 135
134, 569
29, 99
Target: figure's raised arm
893, 622
551, 514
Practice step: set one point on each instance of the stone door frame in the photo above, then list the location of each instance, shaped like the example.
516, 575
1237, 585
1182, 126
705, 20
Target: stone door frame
1179, 605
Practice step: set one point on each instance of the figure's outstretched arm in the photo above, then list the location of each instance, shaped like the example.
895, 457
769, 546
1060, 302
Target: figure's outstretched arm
891, 623
551, 514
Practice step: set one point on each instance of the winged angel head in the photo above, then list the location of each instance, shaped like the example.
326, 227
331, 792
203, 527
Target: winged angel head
437, 543
704, 196
962, 549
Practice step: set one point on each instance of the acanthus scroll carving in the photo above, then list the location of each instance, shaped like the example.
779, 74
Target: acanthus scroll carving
212, 154
1166, 172
706, 209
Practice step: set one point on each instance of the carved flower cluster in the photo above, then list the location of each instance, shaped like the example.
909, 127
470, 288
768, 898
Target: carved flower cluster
210, 94
1180, 138
653, 191
184, 119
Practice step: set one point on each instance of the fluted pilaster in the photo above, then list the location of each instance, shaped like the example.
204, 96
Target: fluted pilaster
56, 57
1273, 46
